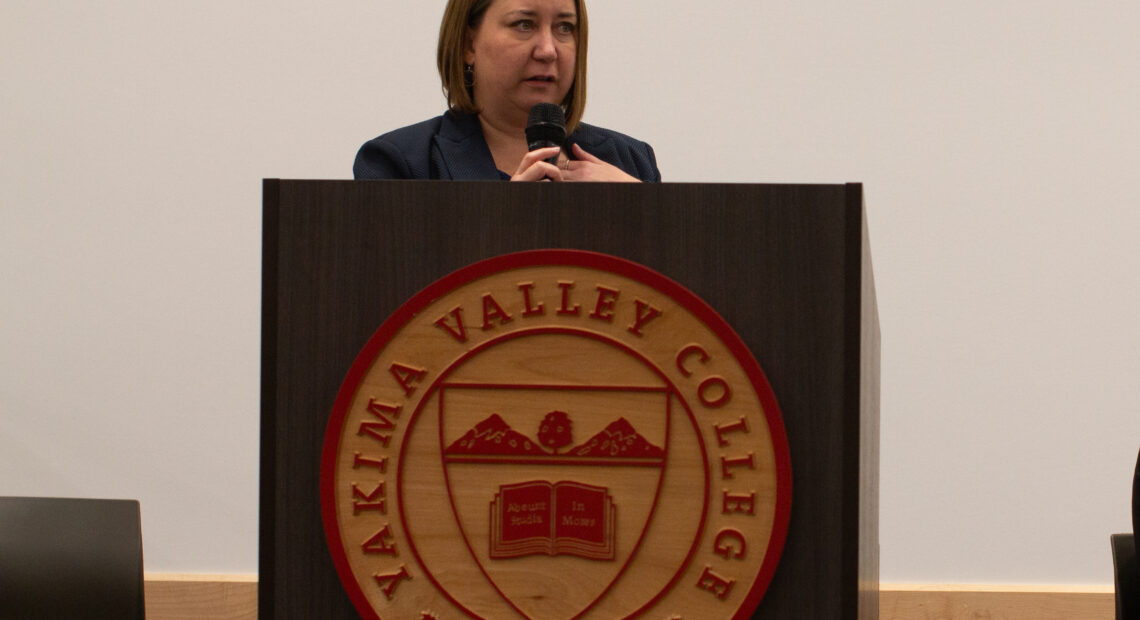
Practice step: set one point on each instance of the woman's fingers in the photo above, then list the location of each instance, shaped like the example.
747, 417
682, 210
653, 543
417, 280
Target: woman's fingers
585, 167
590, 168
581, 154
534, 166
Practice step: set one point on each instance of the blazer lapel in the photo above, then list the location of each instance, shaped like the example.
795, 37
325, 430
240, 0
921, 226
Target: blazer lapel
592, 142
462, 152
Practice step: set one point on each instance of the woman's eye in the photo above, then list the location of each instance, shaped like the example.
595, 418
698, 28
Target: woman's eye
565, 28
524, 25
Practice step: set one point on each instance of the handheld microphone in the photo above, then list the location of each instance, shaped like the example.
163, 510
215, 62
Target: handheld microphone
546, 126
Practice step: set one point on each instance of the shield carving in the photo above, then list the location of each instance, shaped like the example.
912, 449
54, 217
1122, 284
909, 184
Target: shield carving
554, 476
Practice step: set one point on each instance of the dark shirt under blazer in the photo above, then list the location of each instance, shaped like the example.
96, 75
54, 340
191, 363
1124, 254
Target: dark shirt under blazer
451, 147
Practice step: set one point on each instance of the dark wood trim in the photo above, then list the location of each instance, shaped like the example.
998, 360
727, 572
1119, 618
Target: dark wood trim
267, 556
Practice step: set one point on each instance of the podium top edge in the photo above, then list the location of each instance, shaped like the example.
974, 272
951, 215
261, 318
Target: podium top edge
676, 184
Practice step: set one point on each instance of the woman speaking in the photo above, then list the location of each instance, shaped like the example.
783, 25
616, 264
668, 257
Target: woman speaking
497, 60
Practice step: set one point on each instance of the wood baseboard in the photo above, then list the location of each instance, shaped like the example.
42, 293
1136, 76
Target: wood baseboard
234, 597
200, 597
995, 602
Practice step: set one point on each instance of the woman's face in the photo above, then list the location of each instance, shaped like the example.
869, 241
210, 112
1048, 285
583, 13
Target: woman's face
523, 53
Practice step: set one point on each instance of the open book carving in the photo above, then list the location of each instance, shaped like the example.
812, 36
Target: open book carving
539, 517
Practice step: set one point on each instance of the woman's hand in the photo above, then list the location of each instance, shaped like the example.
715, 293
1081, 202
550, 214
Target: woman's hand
534, 166
590, 168
586, 167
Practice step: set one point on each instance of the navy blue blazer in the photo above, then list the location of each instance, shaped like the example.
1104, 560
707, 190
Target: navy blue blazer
451, 147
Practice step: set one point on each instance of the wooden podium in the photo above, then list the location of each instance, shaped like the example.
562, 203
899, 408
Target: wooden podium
786, 266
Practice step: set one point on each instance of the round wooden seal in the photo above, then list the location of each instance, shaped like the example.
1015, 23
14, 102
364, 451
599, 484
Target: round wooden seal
555, 434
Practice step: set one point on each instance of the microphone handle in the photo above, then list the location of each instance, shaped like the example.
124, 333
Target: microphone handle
541, 144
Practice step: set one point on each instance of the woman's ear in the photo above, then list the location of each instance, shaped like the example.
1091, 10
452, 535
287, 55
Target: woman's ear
469, 48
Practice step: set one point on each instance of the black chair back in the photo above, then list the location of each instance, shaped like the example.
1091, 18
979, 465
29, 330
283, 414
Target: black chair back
70, 558
1136, 513
1136, 502
1126, 567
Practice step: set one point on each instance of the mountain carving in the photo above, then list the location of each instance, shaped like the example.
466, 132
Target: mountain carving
493, 436
619, 439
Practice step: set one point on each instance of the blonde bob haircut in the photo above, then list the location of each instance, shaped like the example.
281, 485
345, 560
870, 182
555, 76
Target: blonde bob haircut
460, 18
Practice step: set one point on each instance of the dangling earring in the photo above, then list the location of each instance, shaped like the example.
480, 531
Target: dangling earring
468, 76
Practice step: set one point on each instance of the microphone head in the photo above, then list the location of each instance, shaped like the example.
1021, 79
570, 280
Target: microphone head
545, 126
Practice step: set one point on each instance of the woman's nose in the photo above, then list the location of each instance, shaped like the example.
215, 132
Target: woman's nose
544, 48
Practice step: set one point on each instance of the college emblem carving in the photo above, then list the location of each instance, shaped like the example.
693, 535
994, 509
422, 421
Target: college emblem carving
551, 435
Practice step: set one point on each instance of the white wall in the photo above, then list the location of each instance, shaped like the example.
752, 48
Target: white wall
999, 142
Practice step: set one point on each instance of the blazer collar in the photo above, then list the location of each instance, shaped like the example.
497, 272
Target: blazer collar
462, 149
